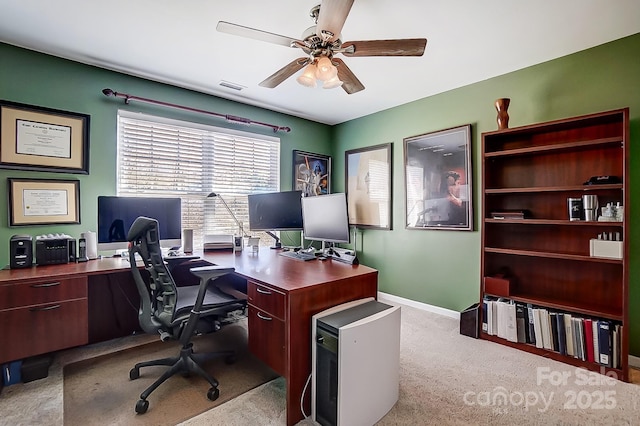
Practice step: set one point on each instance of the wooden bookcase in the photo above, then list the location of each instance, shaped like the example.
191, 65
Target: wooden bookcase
536, 168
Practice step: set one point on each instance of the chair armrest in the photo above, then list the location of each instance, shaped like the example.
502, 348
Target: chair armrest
206, 273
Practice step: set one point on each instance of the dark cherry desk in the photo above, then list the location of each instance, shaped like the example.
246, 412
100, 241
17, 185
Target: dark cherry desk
48, 308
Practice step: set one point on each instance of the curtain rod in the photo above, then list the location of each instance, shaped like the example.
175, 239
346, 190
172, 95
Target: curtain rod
230, 118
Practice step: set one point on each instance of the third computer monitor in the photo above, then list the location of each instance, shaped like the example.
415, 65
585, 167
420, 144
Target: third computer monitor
325, 218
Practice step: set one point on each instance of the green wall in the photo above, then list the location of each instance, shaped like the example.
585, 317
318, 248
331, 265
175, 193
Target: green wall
37, 79
441, 267
436, 267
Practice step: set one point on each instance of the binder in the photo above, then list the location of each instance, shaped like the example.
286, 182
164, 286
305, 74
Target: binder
568, 330
604, 338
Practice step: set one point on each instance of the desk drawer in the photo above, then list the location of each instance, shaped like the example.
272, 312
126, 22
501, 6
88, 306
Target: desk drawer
266, 339
42, 328
42, 291
266, 299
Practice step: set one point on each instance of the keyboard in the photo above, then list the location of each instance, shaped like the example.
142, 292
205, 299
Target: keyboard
298, 255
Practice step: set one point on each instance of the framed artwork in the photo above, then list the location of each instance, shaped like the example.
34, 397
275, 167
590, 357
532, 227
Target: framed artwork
311, 173
43, 201
438, 180
368, 183
43, 139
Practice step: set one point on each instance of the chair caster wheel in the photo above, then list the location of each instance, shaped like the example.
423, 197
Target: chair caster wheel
230, 359
141, 406
213, 394
134, 374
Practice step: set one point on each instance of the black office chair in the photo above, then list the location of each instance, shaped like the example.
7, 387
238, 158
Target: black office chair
179, 312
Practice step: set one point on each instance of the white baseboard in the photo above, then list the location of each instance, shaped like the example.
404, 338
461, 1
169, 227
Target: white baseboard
418, 305
634, 361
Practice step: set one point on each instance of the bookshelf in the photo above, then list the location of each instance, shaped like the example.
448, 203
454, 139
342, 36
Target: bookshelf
541, 259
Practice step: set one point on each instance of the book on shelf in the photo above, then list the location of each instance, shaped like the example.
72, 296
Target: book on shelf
522, 322
510, 214
593, 340
588, 337
562, 339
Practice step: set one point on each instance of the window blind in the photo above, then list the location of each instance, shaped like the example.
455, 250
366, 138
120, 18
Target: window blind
160, 157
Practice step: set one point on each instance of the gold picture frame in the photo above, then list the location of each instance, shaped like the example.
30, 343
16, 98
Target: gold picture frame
43, 201
43, 139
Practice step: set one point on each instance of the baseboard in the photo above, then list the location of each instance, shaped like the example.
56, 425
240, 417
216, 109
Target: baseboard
634, 361
419, 305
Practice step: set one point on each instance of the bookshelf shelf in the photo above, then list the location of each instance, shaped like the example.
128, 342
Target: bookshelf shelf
545, 256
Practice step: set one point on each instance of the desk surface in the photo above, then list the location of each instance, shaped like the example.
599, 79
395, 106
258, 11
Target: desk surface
266, 267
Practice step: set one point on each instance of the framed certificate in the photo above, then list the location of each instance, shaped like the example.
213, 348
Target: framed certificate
43, 201
43, 139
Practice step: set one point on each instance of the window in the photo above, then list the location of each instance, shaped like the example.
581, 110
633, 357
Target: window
170, 158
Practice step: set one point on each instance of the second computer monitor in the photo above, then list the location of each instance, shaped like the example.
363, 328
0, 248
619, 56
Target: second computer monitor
325, 218
275, 211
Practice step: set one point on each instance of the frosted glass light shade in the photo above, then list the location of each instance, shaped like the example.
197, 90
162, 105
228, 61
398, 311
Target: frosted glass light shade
325, 69
308, 76
332, 84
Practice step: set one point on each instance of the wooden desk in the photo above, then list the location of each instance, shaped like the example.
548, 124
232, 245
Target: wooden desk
48, 308
283, 296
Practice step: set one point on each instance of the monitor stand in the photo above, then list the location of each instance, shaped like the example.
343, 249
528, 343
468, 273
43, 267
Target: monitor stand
278, 244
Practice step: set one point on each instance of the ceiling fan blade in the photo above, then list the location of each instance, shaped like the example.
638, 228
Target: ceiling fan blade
350, 82
242, 31
331, 19
284, 73
399, 47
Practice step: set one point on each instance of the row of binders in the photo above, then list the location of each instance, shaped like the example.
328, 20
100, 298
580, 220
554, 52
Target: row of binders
584, 338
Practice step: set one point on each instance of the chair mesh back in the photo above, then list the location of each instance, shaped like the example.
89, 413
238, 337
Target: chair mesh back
158, 296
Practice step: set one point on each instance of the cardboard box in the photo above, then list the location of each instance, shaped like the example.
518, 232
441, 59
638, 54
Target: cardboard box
607, 249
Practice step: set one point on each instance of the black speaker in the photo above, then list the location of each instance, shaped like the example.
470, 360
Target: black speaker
20, 251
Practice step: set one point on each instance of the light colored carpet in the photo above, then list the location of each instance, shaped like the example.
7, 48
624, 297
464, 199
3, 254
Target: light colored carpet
99, 391
449, 379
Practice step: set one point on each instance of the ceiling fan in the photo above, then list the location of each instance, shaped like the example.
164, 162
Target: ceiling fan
321, 43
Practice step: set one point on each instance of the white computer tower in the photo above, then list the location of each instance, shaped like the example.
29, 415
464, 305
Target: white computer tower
356, 363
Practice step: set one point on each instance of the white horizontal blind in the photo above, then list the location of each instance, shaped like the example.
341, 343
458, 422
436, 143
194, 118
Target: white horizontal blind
158, 157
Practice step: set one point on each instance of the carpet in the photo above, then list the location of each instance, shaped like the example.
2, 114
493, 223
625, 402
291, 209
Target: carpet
99, 391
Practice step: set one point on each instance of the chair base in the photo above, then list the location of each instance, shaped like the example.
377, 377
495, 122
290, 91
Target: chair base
186, 362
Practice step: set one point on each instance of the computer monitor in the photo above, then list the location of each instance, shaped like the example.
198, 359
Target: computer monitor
325, 218
275, 211
116, 215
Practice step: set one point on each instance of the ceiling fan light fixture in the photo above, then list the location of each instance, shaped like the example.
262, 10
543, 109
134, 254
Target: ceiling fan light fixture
332, 84
325, 69
308, 76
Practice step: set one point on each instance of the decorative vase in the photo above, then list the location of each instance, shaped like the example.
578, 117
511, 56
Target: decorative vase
502, 105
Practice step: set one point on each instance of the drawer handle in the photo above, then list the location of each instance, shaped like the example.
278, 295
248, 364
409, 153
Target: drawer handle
45, 308
259, 290
263, 317
45, 285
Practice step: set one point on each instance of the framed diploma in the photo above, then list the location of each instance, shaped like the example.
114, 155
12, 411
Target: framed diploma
43, 139
43, 201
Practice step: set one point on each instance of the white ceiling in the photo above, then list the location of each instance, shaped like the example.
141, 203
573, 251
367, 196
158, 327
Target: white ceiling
176, 42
